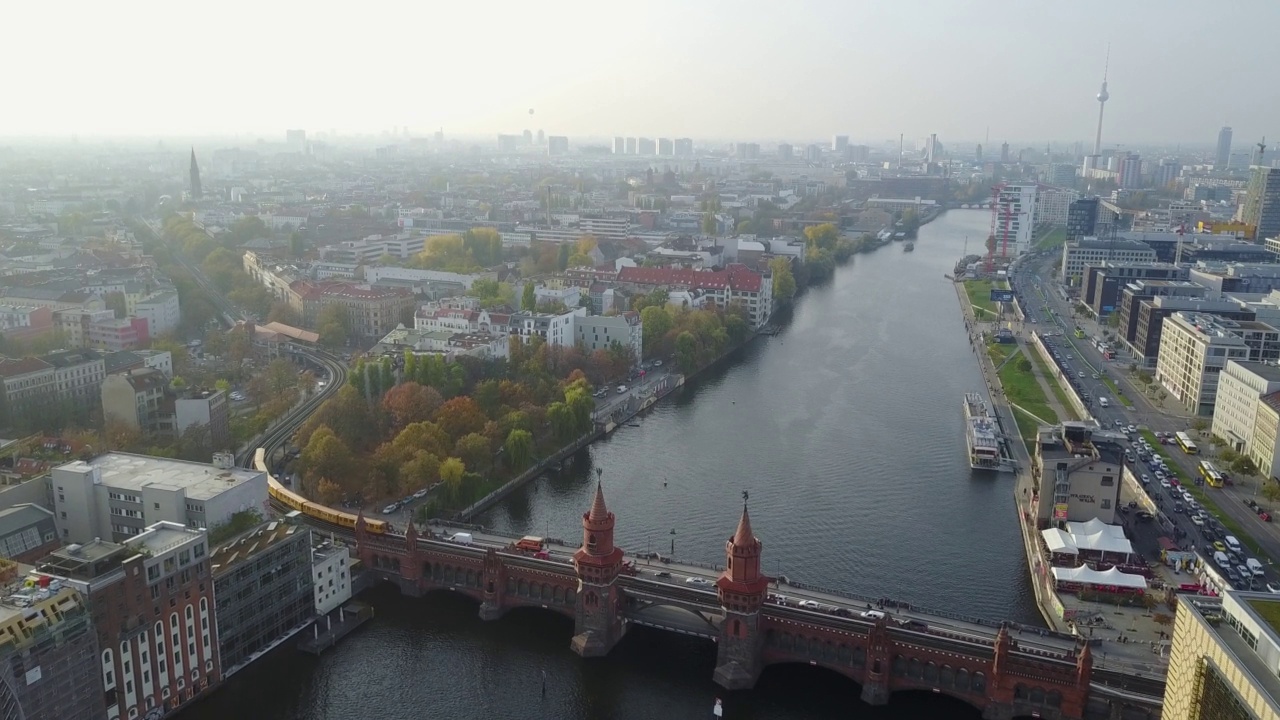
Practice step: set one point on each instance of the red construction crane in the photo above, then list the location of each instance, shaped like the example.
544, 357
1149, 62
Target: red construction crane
995, 223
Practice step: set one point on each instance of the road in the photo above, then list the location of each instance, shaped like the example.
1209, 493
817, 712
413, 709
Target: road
1041, 301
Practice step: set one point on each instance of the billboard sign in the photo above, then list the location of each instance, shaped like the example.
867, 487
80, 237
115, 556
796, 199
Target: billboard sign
1060, 511
1001, 295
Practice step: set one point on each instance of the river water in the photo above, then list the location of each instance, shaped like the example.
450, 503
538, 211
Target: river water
846, 429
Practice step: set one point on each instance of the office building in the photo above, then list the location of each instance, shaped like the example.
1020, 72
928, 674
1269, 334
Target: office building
840, 145
1015, 219
747, 151
619, 146
1060, 174
1053, 204
684, 147
1152, 314
29, 387
48, 653
264, 591
1101, 286
1129, 169
1082, 218
1263, 447
1004, 152
372, 312
152, 605
1194, 348
1085, 251
1079, 468
1237, 277
118, 495
630, 148
646, 146
330, 574
1241, 385
1224, 658
557, 145
1261, 207
813, 153
666, 148
1223, 157
785, 151
1166, 174
1134, 292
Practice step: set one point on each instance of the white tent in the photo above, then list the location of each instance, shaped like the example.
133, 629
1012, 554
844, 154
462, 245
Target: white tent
1087, 576
1096, 536
1059, 541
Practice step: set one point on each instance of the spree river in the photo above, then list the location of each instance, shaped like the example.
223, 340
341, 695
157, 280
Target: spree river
847, 430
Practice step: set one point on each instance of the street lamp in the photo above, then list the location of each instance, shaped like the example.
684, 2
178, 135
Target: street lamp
673, 543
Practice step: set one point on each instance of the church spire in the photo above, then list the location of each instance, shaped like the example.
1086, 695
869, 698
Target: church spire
197, 191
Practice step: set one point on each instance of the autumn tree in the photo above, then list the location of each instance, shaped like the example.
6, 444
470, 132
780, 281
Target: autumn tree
822, 237
460, 416
451, 472
518, 448
474, 450
410, 402
333, 325
324, 456
283, 312
686, 351
421, 470
784, 283
529, 297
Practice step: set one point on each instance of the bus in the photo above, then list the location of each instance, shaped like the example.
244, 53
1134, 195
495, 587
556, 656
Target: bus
1184, 442
1211, 474
1079, 332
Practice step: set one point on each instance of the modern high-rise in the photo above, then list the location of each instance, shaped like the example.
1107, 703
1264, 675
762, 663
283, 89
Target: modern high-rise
646, 146
813, 153
666, 148
1004, 152
557, 145
785, 151
1223, 660
684, 147
1194, 348
619, 146
1224, 148
197, 191
840, 144
1082, 218
630, 148
1262, 202
1241, 385
1053, 204
1166, 173
1129, 167
1015, 219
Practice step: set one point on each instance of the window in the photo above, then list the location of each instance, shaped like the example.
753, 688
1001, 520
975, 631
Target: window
1108, 481
1106, 504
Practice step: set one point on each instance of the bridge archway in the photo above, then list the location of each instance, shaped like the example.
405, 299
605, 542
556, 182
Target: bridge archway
556, 617
672, 617
788, 646
926, 703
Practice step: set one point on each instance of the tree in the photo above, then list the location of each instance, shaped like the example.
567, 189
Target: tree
116, 303
328, 492
655, 322
422, 470
1271, 490
222, 385
686, 352
324, 456
822, 237
784, 282
710, 224
283, 312
282, 380
333, 325
519, 448
529, 297
460, 416
473, 449
451, 472
410, 402
580, 260
562, 256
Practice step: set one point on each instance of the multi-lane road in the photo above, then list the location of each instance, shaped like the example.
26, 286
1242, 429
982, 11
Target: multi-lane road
1041, 300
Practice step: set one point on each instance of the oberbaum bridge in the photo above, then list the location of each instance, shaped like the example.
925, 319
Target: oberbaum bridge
990, 666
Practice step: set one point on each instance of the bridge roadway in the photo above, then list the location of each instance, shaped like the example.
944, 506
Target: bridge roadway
686, 590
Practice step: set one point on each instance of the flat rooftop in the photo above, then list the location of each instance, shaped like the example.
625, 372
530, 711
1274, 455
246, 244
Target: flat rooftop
162, 537
1265, 371
201, 481
251, 543
1211, 613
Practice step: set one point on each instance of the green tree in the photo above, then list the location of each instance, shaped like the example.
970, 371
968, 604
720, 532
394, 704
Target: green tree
283, 312
580, 260
333, 325
784, 282
562, 256
451, 472
710, 225
116, 302
519, 448
687, 352
473, 450
822, 237
528, 297
655, 322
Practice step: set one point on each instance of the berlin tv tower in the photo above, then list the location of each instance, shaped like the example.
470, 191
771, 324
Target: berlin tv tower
1103, 96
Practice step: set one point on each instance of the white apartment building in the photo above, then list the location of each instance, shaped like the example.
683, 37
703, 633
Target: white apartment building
330, 575
1264, 445
161, 310
605, 228
1095, 251
1052, 203
555, 329
117, 495
598, 332
1015, 220
374, 274
570, 296
1194, 348
1240, 386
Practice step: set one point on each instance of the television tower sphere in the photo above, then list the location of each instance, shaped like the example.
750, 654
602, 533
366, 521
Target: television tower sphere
1104, 95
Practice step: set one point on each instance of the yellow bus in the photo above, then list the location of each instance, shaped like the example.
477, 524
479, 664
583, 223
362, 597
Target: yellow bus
1184, 442
1211, 475
1079, 333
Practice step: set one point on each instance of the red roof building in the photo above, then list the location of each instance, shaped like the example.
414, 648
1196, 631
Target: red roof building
736, 283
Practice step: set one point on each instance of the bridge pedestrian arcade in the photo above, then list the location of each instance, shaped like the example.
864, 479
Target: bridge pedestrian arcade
882, 654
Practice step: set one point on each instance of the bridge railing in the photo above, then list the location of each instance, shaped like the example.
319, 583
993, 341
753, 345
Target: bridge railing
894, 604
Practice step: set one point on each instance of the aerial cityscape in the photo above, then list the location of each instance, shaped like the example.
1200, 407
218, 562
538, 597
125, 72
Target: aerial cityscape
417, 389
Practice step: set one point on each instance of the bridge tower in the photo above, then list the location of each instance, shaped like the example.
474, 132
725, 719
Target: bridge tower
875, 685
598, 615
742, 589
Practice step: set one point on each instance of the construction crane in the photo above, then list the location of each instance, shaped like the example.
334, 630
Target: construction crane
1177, 257
996, 204
1262, 148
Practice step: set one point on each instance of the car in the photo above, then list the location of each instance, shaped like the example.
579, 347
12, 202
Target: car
420, 494
697, 581
622, 389
872, 615
808, 604
1119, 423
1273, 588
1145, 516
1132, 428
390, 508
322, 383
1081, 374
1217, 545
1095, 376
1146, 479
657, 363
1071, 357
1179, 507
665, 574
1197, 521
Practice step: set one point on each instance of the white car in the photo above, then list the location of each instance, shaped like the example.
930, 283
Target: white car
622, 389
1132, 428
808, 604
697, 581
1197, 521
1165, 483
872, 614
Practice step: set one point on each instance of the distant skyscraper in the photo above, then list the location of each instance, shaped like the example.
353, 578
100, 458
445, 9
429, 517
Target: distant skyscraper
528, 137
1004, 152
1224, 148
1262, 202
666, 148
557, 145
646, 146
197, 191
1130, 168
684, 147
839, 144
542, 137
1082, 218
631, 146
619, 146
813, 153
977, 153
1166, 173
784, 151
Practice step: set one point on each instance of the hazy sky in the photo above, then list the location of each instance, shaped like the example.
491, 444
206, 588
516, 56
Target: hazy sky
702, 68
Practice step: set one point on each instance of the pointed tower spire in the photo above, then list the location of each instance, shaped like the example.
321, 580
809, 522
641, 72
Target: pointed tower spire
197, 191
599, 513
743, 535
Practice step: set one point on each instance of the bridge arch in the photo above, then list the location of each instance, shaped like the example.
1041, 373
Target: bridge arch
799, 646
674, 617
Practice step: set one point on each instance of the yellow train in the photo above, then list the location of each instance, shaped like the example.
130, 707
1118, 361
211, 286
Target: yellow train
308, 508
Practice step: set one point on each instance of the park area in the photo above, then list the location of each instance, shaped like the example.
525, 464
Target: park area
1021, 388
979, 293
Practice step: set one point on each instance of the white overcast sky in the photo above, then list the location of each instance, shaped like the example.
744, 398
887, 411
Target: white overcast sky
795, 69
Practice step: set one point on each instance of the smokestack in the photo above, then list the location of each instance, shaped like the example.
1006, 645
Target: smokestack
900, 136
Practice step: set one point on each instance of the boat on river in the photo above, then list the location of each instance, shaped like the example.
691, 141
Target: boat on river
981, 434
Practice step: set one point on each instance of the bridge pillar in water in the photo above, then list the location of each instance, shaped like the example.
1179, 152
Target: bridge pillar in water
742, 590
493, 584
597, 623
875, 685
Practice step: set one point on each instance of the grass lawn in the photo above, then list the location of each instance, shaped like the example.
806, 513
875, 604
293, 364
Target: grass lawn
1115, 390
1022, 389
1058, 392
979, 292
1204, 498
1053, 238
1269, 610
998, 352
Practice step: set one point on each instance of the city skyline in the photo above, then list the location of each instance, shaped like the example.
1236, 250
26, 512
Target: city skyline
959, 72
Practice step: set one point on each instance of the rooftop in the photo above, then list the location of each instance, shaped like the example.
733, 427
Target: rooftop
1268, 609
201, 481
1270, 373
1252, 606
164, 536
251, 543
